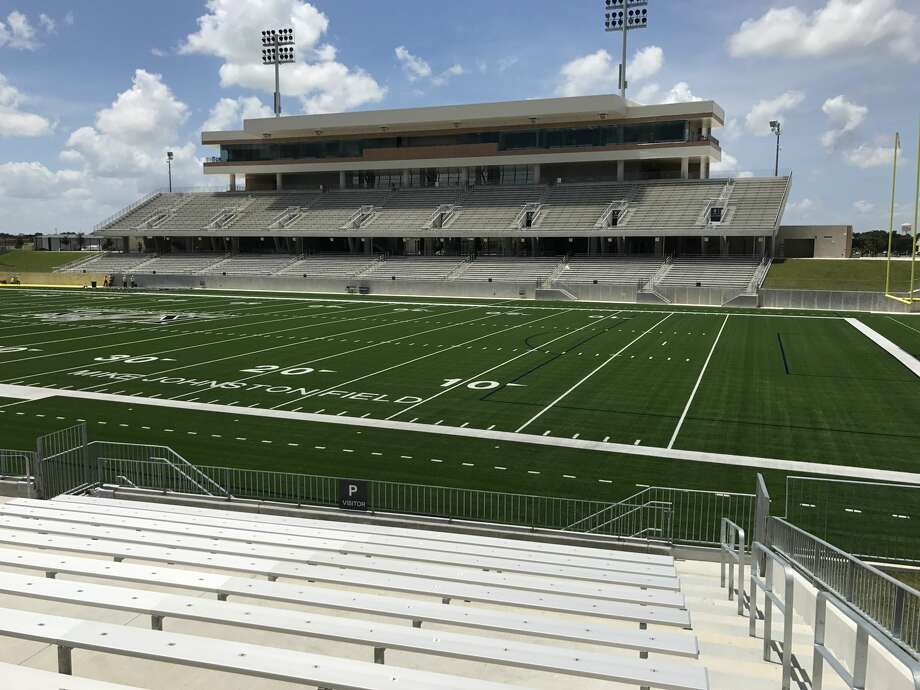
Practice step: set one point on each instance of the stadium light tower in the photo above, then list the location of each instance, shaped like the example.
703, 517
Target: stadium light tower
625, 15
777, 128
277, 49
169, 160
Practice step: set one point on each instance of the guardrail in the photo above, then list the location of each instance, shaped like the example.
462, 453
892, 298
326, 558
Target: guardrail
864, 630
16, 463
771, 598
732, 553
893, 605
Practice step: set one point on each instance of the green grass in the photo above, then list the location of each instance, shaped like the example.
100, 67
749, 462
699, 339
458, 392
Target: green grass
811, 388
860, 275
27, 261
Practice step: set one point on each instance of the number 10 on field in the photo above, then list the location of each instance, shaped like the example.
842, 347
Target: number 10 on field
472, 385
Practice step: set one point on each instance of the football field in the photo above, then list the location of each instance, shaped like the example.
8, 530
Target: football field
549, 398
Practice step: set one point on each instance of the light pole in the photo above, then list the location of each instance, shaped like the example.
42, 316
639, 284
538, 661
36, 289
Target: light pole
777, 128
625, 15
169, 160
277, 48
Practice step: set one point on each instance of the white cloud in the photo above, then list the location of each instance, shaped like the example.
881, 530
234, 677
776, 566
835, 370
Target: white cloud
415, 67
48, 24
863, 206
157, 52
507, 63
869, 156
229, 113
802, 207
17, 32
598, 73
843, 116
728, 164
758, 120
68, 18
651, 94
13, 121
228, 31
839, 27
130, 138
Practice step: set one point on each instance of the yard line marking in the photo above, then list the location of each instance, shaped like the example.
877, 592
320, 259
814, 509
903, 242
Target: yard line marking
606, 438
491, 369
589, 375
411, 361
546, 433
699, 380
468, 464
464, 425
901, 323
490, 428
899, 353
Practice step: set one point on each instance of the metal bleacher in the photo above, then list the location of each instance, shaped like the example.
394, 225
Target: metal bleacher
609, 270
183, 264
332, 210
722, 272
510, 269
503, 613
112, 263
493, 207
251, 265
330, 266
410, 208
415, 268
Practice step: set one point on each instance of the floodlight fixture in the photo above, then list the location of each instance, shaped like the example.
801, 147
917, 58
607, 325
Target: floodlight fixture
777, 128
277, 49
625, 16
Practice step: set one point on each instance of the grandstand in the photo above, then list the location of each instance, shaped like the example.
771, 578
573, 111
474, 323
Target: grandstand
587, 191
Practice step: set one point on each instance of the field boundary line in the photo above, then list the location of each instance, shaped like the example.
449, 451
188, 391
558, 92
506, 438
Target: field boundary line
411, 361
901, 323
648, 452
892, 348
592, 373
699, 380
500, 365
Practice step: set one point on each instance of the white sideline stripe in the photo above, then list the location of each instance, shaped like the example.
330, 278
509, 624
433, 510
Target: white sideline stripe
820, 469
699, 380
888, 346
591, 373
24, 393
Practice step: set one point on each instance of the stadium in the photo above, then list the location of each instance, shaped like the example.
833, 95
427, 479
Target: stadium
494, 396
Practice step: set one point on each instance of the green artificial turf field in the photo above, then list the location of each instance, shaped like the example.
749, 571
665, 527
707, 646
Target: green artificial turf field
788, 386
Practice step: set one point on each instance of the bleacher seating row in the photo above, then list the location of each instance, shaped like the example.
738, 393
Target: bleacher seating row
340, 589
750, 204
723, 272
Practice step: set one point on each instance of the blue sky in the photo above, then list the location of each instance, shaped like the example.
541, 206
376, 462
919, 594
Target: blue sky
93, 92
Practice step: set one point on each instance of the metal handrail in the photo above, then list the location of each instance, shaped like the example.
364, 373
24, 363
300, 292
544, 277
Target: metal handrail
865, 628
893, 605
732, 552
771, 598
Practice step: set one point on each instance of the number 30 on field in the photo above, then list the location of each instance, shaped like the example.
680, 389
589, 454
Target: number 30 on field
128, 359
473, 385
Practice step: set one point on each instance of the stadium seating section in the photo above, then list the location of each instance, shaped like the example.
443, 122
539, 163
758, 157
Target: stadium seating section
749, 203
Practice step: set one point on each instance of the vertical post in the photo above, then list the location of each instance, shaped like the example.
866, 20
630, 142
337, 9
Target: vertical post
277, 79
894, 183
623, 65
65, 662
776, 166
913, 246
817, 665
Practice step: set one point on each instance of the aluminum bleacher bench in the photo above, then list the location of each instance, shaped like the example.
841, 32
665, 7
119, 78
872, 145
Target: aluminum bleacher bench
273, 569
379, 636
540, 551
13, 677
238, 532
418, 612
222, 655
282, 561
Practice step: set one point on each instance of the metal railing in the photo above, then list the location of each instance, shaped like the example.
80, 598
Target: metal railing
118, 215
893, 605
732, 553
695, 515
864, 630
16, 463
763, 565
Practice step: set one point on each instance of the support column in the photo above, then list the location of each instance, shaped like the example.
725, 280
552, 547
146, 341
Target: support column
536, 174
232, 182
341, 179
379, 655
621, 171
65, 664
704, 167
621, 246
278, 183
723, 245
156, 623
684, 168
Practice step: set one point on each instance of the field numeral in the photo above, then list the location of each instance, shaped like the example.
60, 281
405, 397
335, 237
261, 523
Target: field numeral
128, 359
269, 368
473, 385
10, 349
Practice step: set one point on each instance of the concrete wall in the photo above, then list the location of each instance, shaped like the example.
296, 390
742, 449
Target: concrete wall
831, 241
833, 301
